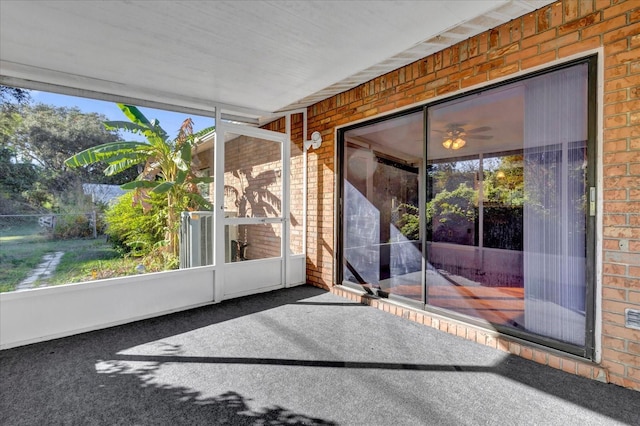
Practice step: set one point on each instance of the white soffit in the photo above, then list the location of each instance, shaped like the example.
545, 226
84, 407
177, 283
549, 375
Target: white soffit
256, 55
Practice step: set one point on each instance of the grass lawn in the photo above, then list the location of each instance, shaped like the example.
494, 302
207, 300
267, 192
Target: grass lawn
22, 249
23, 246
95, 260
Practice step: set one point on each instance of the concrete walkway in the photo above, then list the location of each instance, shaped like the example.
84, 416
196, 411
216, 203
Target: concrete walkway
43, 271
298, 356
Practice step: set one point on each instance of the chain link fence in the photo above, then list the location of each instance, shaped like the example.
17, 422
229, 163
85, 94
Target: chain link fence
51, 226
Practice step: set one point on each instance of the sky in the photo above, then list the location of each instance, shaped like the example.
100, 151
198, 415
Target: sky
170, 121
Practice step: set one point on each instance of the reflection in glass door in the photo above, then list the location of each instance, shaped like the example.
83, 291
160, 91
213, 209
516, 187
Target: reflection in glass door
492, 223
506, 212
382, 250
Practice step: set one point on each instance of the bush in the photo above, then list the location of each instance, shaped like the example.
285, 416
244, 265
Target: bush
72, 226
131, 230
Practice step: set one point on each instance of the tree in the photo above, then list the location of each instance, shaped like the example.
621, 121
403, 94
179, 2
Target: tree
20, 96
47, 135
167, 166
34, 142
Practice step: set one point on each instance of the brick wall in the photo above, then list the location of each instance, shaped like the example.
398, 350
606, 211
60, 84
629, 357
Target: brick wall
296, 177
243, 153
562, 29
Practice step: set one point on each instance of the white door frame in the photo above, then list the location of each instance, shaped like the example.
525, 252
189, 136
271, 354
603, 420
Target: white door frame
253, 276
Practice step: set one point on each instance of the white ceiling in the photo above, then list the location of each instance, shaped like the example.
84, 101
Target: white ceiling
251, 57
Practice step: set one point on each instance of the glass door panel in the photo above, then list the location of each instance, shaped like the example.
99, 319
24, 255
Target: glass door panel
253, 200
253, 190
506, 211
382, 248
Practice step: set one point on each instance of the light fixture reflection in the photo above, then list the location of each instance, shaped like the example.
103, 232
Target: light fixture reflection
451, 143
453, 138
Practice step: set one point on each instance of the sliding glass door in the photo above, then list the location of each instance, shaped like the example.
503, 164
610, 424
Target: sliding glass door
487, 216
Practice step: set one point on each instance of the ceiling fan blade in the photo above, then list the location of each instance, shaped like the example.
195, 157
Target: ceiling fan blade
478, 130
480, 137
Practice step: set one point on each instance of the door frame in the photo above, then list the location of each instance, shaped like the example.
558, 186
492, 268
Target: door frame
591, 349
252, 276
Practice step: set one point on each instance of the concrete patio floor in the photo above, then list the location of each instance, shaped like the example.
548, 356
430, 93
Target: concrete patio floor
295, 356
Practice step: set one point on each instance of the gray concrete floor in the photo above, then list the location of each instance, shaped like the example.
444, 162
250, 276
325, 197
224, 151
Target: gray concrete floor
295, 356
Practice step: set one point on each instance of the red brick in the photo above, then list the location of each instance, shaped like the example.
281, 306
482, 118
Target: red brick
577, 24
613, 343
569, 366
633, 347
540, 357
538, 38
581, 46
526, 352
571, 9
621, 33
586, 7
554, 361
622, 7
585, 370
628, 383
613, 367
604, 27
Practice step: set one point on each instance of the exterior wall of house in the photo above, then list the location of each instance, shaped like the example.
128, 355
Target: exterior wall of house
253, 188
561, 30
253, 163
296, 177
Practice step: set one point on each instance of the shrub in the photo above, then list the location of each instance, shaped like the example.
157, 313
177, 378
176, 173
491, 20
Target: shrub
131, 230
72, 226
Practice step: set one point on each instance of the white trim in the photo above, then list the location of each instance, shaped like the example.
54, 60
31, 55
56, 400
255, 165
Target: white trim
285, 209
597, 320
37, 315
218, 204
254, 132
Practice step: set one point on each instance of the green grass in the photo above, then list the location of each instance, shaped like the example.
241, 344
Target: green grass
22, 247
83, 259
96, 260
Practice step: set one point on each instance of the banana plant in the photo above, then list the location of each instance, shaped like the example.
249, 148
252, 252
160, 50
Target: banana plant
167, 167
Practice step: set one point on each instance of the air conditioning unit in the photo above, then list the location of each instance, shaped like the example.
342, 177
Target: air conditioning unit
196, 238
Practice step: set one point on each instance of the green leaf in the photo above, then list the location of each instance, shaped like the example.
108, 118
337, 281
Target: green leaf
120, 166
203, 179
200, 201
185, 152
138, 117
139, 184
128, 126
181, 176
103, 152
134, 114
163, 187
180, 163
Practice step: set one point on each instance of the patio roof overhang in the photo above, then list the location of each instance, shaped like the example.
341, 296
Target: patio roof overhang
252, 58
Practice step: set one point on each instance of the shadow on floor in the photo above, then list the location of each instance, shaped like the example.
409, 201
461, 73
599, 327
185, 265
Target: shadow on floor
168, 370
